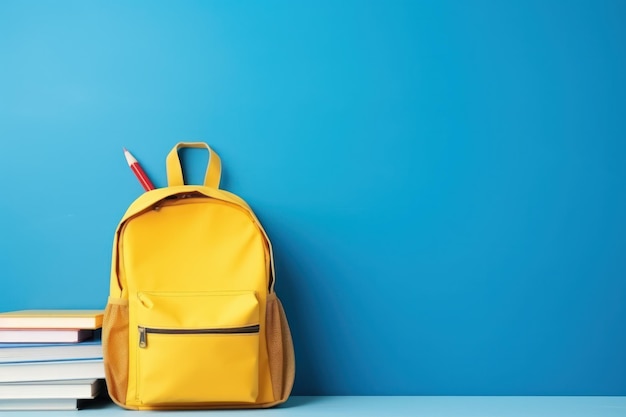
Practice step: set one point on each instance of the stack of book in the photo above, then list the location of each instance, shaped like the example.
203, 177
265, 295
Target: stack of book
50, 359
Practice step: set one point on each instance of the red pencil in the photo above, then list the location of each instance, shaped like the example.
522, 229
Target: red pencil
139, 173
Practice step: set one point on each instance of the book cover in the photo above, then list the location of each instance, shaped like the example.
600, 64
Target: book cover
44, 335
52, 371
52, 319
76, 389
38, 352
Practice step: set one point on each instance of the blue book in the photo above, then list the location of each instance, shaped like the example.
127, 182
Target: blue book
52, 370
39, 352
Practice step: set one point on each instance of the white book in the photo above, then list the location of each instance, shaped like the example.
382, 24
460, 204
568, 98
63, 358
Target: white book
52, 371
39, 404
44, 335
16, 352
52, 319
76, 389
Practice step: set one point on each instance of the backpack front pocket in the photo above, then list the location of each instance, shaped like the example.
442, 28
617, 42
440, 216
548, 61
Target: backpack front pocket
197, 347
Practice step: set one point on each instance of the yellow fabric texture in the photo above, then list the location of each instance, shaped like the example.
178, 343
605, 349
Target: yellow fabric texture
192, 320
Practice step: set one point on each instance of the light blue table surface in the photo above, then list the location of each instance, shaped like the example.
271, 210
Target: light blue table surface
395, 406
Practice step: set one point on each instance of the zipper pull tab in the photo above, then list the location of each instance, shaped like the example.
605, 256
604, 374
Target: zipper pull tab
143, 339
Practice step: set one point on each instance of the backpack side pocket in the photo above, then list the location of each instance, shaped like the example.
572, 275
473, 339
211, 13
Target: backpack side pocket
115, 348
280, 349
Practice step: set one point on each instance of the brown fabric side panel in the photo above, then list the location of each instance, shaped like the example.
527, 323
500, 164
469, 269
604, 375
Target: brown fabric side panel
273, 335
289, 365
115, 349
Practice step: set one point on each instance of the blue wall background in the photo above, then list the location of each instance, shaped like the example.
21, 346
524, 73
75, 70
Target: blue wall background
443, 181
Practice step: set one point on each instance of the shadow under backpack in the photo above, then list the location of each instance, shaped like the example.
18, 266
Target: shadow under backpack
192, 320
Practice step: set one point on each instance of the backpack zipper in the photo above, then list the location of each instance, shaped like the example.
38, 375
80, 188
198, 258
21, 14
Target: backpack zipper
143, 332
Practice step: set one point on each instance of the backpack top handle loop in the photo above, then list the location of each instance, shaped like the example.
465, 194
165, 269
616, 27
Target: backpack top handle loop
175, 169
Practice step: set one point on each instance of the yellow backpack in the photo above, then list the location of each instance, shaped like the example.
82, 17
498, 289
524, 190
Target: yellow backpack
192, 320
